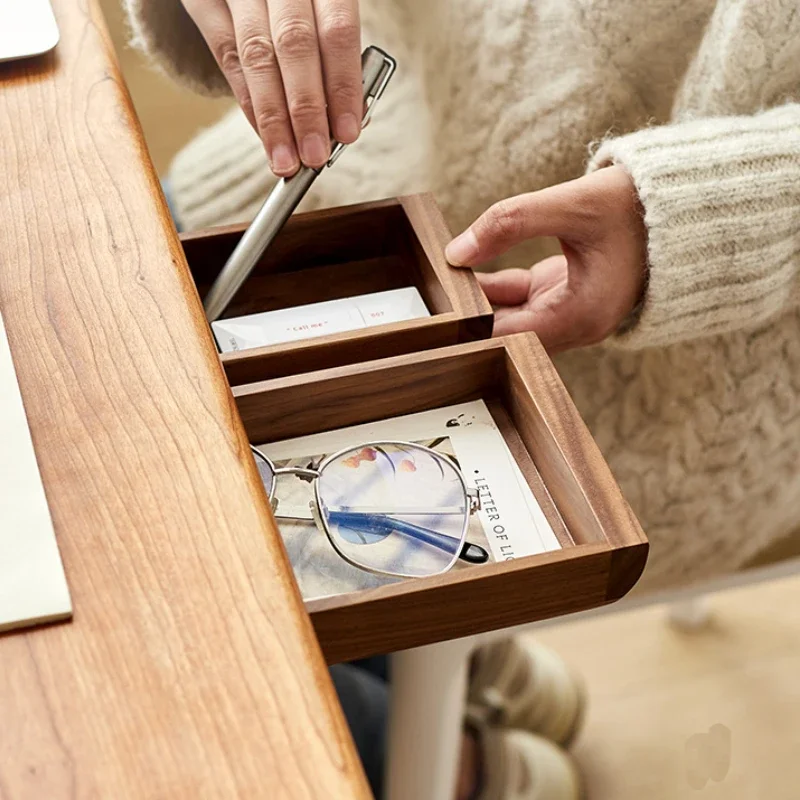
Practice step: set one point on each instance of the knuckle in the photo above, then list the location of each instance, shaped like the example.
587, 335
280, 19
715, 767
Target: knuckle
270, 118
588, 217
304, 108
505, 220
295, 39
246, 104
340, 33
257, 52
226, 54
344, 94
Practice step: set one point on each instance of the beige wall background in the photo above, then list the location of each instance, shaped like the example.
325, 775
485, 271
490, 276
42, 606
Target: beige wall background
170, 115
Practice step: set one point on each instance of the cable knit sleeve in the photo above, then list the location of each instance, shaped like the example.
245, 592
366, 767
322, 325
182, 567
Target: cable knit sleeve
721, 200
166, 33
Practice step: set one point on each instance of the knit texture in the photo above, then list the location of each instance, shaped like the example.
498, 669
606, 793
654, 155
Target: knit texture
166, 33
721, 199
697, 405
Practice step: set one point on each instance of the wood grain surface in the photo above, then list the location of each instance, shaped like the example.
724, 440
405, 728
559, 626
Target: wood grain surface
190, 669
459, 287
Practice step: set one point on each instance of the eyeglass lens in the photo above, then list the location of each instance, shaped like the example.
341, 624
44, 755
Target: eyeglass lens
395, 508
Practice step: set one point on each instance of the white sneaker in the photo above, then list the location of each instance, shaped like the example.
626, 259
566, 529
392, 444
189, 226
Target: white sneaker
517, 765
519, 683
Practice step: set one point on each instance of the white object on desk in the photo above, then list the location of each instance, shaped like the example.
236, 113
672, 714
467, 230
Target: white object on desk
318, 319
33, 587
27, 28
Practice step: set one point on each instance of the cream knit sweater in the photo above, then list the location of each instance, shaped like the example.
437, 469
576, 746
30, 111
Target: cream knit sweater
697, 408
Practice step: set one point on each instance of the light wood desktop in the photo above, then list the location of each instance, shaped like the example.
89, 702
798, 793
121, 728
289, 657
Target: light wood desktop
190, 668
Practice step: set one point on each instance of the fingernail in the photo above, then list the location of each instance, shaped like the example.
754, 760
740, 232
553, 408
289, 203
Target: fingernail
347, 128
462, 249
283, 160
314, 150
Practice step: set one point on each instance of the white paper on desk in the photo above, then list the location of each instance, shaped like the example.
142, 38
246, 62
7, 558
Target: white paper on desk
511, 523
318, 319
33, 587
27, 28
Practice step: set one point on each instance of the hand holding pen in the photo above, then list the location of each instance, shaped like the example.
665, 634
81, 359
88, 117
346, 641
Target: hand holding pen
377, 68
293, 66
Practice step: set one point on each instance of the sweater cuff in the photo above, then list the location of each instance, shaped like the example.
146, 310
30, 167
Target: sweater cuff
165, 32
721, 200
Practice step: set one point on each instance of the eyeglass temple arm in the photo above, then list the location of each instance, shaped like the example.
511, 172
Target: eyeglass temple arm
377, 523
471, 553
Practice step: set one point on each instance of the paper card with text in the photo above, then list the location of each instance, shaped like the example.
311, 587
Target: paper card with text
318, 319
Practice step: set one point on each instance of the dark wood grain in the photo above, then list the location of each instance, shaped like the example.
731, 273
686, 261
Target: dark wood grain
603, 549
315, 239
459, 288
191, 669
276, 361
462, 603
318, 285
335, 253
374, 390
565, 453
528, 469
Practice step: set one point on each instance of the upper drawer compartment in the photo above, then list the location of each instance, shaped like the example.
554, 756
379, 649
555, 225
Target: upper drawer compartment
340, 253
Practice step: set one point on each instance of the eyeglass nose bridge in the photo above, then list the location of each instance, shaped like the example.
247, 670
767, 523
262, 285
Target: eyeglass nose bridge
301, 472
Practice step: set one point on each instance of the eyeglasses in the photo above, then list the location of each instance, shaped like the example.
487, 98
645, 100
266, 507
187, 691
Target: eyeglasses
391, 508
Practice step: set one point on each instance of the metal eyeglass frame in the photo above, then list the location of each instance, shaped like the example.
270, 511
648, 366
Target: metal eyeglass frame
471, 553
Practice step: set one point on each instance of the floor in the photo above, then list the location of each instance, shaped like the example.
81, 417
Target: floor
663, 703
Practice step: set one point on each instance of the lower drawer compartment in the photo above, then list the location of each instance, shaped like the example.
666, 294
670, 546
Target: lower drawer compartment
602, 548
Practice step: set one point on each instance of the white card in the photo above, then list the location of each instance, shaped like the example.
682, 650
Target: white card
27, 28
33, 587
318, 319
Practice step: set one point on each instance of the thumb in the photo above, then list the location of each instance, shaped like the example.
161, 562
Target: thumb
549, 212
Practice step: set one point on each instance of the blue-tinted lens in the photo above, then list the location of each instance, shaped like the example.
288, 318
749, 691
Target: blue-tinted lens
397, 509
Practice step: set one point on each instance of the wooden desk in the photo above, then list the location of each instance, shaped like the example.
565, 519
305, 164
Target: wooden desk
190, 669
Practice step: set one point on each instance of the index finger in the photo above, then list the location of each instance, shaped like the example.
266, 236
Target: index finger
294, 34
264, 86
555, 211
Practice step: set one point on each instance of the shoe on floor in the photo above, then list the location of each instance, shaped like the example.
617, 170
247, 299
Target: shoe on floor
519, 683
517, 765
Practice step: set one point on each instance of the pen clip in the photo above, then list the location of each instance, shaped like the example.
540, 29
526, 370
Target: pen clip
389, 66
372, 94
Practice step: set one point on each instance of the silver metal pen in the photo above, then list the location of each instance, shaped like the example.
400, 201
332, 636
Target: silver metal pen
377, 68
